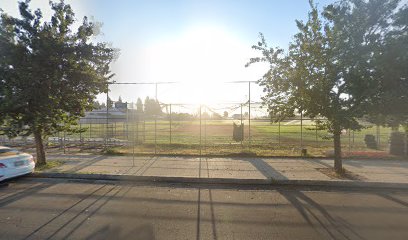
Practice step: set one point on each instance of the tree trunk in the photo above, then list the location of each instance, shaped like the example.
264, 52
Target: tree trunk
338, 165
39, 148
406, 141
394, 128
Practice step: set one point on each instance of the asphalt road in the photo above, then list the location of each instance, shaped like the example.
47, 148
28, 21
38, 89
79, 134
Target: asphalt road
62, 209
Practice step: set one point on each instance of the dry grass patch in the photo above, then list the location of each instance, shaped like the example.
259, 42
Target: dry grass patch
345, 175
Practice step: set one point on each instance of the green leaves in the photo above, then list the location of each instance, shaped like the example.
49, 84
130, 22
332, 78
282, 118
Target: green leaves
348, 62
331, 68
49, 72
152, 107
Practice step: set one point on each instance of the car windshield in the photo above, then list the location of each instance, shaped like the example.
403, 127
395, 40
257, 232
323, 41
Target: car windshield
7, 152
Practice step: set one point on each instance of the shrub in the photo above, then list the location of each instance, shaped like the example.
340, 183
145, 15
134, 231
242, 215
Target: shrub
112, 151
370, 141
397, 143
238, 133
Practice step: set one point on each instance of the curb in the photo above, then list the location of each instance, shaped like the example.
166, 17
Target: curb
220, 181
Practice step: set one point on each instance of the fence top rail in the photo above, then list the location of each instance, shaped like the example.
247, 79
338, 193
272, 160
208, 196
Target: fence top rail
142, 83
154, 83
208, 105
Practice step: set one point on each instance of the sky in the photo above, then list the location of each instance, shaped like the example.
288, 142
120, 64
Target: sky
201, 45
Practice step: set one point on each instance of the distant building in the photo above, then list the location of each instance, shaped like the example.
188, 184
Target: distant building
99, 115
237, 116
121, 105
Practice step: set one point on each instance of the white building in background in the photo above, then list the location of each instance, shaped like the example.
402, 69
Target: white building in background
118, 113
100, 115
237, 116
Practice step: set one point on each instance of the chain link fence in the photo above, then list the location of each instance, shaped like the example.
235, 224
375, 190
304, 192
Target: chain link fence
189, 129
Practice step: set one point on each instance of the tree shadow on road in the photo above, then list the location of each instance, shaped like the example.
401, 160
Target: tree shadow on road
319, 218
393, 199
143, 231
85, 164
267, 170
23, 193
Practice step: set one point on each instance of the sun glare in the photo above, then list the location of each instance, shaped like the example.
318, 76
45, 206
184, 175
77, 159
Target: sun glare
201, 58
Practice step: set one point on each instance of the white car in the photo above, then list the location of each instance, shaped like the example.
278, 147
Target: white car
14, 163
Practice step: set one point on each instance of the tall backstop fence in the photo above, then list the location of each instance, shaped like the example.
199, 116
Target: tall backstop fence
223, 128
218, 129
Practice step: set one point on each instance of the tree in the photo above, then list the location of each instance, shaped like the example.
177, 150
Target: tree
50, 72
152, 107
109, 102
205, 115
328, 69
96, 105
383, 26
391, 101
225, 114
390, 107
139, 106
182, 116
216, 116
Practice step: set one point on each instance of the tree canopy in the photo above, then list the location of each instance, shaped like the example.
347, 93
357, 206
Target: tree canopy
152, 107
139, 105
50, 72
390, 105
333, 65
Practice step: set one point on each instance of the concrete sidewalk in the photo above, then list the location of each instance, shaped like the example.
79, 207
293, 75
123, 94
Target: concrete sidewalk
385, 171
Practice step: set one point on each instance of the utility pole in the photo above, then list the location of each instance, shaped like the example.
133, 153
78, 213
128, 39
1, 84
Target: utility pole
170, 123
200, 129
242, 130
301, 129
249, 114
107, 114
133, 138
205, 130
156, 91
155, 134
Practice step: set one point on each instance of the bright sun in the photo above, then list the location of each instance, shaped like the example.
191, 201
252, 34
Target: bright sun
201, 58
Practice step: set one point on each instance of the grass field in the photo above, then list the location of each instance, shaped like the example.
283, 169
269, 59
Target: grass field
214, 137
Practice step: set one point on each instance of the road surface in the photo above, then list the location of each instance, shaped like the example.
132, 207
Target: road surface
63, 209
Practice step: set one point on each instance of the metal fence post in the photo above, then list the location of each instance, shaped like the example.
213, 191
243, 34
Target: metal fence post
378, 137
64, 142
353, 140
155, 134
144, 129
59, 140
349, 137
200, 129
406, 142
133, 138
170, 123
205, 130
137, 128
107, 117
279, 133
242, 139
80, 132
301, 129
249, 116
114, 132
127, 122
